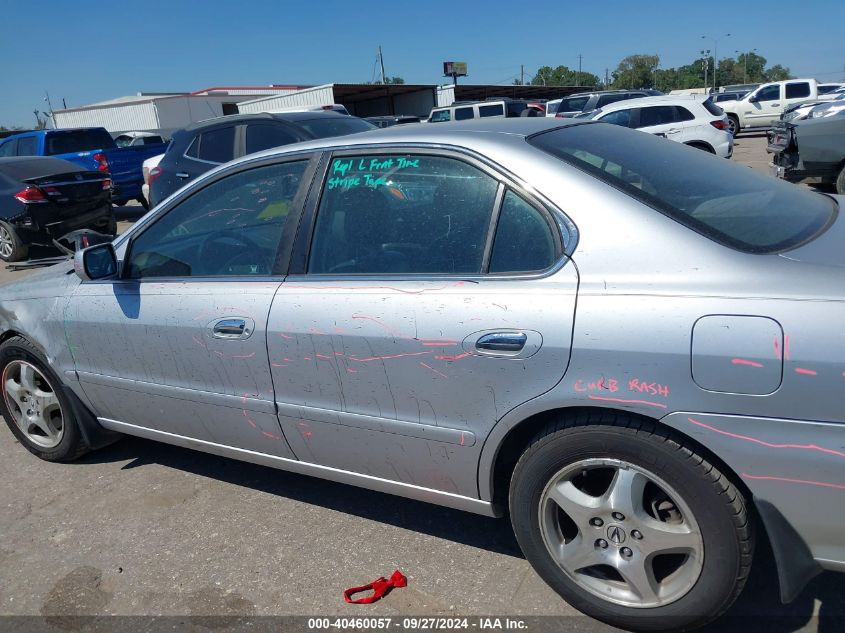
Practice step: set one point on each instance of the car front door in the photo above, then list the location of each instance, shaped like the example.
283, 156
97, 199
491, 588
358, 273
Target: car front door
428, 297
765, 108
178, 344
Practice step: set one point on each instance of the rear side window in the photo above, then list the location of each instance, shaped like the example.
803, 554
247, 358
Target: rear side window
682, 114
620, 117
515, 108
440, 116
491, 110
193, 150
397, 214
263, 136
27, 146
77, 141
8, 148
323, 127
462, 114
608, 99
797, 90
712, 108
731, 205
217, 146
524, 241
573, 104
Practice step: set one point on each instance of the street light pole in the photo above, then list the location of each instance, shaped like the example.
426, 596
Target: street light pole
745, 64
715, 55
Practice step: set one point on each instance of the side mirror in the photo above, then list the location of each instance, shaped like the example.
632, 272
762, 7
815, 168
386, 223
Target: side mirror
95, 262
752, 99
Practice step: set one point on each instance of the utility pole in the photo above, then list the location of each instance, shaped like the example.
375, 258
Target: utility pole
705, 61
606, 79
522, 74
715, 56
381, 61
579, 68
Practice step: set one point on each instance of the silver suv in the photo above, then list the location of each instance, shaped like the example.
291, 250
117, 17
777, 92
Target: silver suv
588, 101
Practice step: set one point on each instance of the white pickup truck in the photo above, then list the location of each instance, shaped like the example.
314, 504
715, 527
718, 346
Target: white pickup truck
760, 108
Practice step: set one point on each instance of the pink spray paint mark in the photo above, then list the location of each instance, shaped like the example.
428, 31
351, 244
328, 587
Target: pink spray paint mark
270, 435
388, 357
318, 287
433, 343
278, 365
806, 482
455, 357
384, 326
625, 401
806, 372
748, 363
349, 370
777, 348
200, 343
433, 369
323, 356
285, 336
462, 438
244, 356
786, 347
314, 330
754, 440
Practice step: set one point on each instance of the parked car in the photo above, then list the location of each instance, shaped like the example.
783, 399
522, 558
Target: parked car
693, 120
810, 149
760, 108
42, 199
466, 110
133, 139
829, 88
203, 146
526, 317
149, 165
397, 119
799, 111
92, 149
576, 104
729, 96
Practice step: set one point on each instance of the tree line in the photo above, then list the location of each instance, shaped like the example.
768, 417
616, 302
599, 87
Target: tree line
643, 71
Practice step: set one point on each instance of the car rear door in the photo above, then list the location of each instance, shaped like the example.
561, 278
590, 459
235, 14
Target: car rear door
178, 344
661, 121
428, 296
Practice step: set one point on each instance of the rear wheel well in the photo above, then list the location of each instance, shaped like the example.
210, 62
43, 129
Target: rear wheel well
701, 145
518, 439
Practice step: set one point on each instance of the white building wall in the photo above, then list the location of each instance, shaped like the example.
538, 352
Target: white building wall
445, 96
317, 96
122, 118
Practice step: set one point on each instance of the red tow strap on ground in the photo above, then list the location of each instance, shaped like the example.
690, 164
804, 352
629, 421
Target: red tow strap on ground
381, 587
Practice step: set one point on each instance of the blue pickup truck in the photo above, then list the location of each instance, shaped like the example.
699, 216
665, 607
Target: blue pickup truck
93, 149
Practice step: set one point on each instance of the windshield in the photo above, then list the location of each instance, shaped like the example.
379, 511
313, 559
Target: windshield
335, 126
573, 104
60, 142
727, 203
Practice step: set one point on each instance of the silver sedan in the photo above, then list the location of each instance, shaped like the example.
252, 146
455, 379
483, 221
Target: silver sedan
628, 346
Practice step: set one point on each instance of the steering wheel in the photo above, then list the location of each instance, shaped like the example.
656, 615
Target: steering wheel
216, 246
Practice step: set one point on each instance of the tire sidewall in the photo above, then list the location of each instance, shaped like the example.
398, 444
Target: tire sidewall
722, 555
20, 349
840, 182
734, 121
19, 249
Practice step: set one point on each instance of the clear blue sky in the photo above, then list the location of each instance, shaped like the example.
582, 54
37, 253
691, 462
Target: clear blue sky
85, 52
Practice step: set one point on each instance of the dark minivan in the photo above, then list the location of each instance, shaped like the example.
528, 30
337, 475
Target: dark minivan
202, 146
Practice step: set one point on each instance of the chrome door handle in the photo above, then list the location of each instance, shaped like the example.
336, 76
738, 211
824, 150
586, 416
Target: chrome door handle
775, 105
502, 342
231, 328
182, 174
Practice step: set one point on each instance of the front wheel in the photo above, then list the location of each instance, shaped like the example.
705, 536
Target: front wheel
733, 125
840, 182
630, 526
12, 248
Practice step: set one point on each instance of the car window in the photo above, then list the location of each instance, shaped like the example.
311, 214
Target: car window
682, 114
8, 148
491, 110
69, 142
620, 117
572, 104
736, 207
217, 146
123, 140
657, 115
27, 146
515, 108
323, 127
712, 108
462, 114
797, 90
261, 136
394, 214
232, 227
769, 93
524, 241
151, 140
440, 116
608, 99
193, 150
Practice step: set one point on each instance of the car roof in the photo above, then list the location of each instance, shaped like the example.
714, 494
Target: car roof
656, 100
264, 116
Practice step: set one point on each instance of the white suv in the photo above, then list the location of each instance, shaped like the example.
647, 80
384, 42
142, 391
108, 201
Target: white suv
691, 119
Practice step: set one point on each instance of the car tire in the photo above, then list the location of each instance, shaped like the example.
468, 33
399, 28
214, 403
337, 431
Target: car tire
120, 202
12, 249
733, 124
143, 202
610, 566
111, 227
840, 182
34, 405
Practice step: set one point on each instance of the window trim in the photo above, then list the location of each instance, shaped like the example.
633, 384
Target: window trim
560, 224
198, 140
283, 249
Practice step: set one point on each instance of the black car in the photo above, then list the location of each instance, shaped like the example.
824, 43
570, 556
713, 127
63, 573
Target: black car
43, 198
202, 146
575, 104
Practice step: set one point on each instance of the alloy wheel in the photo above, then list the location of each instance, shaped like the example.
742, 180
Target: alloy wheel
621, 533
33, 404
6, 243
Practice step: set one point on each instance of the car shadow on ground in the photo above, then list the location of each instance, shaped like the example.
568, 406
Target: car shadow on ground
757, 609
128, 213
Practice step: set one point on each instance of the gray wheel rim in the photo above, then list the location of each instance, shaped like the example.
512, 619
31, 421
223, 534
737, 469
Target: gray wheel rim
6, 245
33, 404
732, 127
634, 542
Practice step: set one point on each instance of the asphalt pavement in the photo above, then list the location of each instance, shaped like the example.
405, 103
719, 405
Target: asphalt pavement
141, 528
